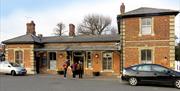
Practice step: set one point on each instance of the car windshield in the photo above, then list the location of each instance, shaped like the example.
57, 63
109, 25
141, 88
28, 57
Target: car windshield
15, 65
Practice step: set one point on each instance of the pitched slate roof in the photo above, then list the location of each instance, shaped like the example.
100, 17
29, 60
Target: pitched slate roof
63, 39
84, 38
145, 11
23, 39
79, 48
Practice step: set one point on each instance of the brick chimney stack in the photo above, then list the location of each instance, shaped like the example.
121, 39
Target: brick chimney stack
122, 8
71, 30
31, 28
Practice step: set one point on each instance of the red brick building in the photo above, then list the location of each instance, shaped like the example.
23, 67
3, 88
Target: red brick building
40, 54
147, 36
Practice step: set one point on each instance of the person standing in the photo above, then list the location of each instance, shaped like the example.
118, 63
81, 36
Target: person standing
80, 69
74, 68
65, 66
65, 69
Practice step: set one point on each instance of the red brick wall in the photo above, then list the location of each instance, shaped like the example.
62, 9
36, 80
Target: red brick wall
97, 61
11, 55
116, 62
27, 59
134, 42
161, 29
27, 54
131, 29
131, 56
160, 54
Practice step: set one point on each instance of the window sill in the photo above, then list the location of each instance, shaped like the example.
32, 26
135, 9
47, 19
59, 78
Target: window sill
140, 35
89, 68
107, 71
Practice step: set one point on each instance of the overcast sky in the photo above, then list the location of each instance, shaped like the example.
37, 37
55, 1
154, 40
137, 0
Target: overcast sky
14, 14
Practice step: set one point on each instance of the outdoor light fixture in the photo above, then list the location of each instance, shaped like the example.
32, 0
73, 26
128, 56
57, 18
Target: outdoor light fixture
96, 55
61, 55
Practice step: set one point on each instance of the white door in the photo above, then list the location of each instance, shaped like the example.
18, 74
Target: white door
52, 64
52, 60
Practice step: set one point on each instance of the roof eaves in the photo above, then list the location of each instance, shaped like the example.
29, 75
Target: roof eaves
147, 14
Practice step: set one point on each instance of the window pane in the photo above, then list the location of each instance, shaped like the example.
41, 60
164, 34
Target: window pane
89, 55
146, 21
143, 55
144, 68
89, 65
146, 56
104, 63
146, 24
18, 57
134, 68
89, 60
159, 69
109, 65
107, 61
52, 56
146, 30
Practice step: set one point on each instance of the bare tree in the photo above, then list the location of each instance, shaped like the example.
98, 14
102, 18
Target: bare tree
114, 31
59, 30
94, 24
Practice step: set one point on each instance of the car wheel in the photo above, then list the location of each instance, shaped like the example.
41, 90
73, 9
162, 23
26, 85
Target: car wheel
13, 73
133, 81
177, 83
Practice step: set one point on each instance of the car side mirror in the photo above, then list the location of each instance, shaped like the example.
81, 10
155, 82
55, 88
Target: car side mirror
9, 66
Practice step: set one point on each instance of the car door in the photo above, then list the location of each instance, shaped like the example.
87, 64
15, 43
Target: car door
162, 74
1, 67
7, 68
145, 73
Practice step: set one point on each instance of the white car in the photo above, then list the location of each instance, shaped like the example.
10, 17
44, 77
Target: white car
12, 68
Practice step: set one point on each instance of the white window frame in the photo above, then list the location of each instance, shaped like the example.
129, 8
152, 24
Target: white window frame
146, 61
22, 64
107, 70
151, 31
87, 65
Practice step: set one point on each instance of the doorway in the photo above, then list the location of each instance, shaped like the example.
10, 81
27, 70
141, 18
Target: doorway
79, 56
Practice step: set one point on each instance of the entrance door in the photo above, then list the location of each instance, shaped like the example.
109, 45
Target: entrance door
52, 60
79, 56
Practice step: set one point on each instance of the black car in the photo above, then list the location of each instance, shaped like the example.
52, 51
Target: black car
151, 73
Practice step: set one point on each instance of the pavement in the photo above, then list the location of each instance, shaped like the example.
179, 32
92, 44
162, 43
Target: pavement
44, 82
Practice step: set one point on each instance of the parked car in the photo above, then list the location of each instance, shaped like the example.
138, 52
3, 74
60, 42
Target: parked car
151, 73
12, 68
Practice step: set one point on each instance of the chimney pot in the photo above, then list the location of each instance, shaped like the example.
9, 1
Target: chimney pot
122, 8
31, 28
71, 30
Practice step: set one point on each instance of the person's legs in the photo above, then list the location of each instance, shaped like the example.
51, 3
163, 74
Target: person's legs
81, 71
74, 74
65, 72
